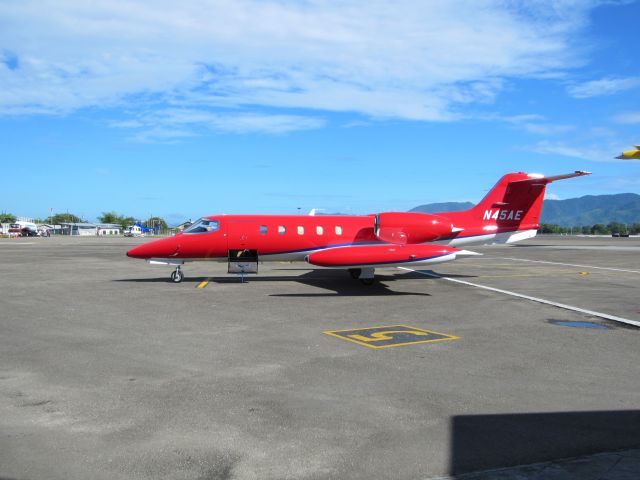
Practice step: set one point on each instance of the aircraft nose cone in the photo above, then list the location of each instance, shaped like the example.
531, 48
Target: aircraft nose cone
163, 248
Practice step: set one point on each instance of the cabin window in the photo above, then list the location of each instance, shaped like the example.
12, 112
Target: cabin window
281, 229
203, 225
300, 230
338, 230
263, 229
319, 230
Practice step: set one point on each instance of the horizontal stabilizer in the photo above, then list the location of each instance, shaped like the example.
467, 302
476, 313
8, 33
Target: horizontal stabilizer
533, 178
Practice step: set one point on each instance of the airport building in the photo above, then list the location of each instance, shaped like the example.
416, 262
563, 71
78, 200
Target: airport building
79, 229
88, 229
108, 229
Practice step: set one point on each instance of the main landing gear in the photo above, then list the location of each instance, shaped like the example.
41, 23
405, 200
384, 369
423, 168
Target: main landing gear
365, 275
177, 276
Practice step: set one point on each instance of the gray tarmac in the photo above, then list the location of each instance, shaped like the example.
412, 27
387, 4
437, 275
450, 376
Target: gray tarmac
108, 371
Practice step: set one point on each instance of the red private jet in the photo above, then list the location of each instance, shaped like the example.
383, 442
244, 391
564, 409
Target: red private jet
509, 213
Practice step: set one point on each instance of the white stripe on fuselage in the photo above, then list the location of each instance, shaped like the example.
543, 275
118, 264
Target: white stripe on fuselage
490, 238
486, 239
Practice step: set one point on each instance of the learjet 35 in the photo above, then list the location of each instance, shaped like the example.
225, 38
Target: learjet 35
509, 213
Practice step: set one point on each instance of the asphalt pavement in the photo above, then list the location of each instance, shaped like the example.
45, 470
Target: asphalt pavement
109, 371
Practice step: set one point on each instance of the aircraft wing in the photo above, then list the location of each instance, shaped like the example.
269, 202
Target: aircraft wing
384, 255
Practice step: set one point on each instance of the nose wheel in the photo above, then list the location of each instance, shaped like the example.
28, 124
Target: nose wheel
177, 276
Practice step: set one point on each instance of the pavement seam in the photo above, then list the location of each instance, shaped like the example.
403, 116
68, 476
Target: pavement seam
620, 457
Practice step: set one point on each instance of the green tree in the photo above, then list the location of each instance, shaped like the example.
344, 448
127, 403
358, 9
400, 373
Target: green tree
64, 218
549, 228
116, 218
599, 229
126, 221
110, 217
7, 218
617, 227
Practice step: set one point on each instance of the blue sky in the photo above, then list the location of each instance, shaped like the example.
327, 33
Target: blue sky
183, 109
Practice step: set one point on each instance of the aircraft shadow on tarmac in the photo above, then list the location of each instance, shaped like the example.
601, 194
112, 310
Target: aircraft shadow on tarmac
337, 281
342, 285
484, 442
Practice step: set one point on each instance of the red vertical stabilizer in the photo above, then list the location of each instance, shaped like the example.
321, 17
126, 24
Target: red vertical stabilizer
514, 203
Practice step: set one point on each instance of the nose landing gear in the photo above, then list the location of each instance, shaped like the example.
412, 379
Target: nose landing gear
177, 276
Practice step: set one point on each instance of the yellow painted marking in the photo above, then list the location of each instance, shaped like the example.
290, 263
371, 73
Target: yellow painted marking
380, 336
385, 335
584, 273
203, 284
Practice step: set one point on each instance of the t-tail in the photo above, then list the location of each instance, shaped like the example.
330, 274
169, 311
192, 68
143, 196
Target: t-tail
509, 212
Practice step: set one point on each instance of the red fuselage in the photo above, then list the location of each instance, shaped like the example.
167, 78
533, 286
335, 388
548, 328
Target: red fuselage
510, 212
281, 237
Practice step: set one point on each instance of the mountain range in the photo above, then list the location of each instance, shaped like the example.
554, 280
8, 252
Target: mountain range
587, 210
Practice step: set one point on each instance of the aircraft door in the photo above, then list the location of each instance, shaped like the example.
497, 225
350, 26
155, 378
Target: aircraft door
238, 235
243, 255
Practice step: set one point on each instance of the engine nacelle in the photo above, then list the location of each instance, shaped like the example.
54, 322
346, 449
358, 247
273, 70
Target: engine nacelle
411, 227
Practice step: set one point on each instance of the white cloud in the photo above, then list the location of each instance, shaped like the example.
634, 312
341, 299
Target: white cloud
551, 196
628, 118
535, 124
381, 59
597, 153
606, 86
547, 128
171, 124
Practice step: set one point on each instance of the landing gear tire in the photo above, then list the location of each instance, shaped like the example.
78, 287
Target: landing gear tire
355, 272
367, 281
177, 276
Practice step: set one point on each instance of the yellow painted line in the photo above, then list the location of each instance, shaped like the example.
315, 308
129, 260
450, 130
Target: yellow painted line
203, 284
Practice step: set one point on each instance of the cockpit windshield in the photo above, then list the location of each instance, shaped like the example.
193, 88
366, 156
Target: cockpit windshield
203, 226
